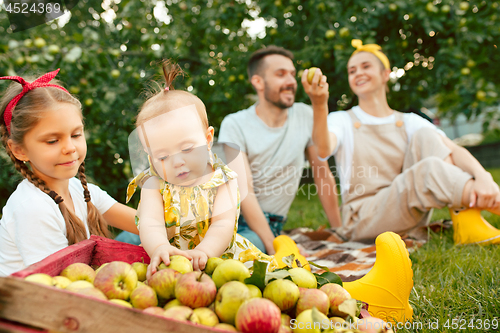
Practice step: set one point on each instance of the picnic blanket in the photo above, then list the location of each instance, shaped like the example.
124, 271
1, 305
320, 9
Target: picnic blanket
349, 260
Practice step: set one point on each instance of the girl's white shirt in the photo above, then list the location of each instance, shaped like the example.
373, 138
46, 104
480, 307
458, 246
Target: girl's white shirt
341, 125
32, 226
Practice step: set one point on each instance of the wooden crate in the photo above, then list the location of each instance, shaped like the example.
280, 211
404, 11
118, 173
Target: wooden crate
28, 307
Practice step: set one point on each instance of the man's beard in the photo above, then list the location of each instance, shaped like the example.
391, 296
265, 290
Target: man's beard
268, 95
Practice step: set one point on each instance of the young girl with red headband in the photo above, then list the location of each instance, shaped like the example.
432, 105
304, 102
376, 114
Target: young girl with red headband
43, 134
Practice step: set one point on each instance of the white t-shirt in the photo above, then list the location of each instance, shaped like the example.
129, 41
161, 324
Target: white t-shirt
340, 124
32, 226
276, 154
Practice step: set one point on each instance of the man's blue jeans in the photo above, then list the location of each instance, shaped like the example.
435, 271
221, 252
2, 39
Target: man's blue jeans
275, 223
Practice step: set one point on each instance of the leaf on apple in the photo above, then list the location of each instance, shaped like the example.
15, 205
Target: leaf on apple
277, 274
316, 317
350, 306
288, 260
258, 277
327, 277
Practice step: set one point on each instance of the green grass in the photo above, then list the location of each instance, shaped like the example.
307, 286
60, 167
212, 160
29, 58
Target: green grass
452, 284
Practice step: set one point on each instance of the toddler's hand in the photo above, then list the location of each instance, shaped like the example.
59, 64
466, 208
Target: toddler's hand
163, 253
199, 259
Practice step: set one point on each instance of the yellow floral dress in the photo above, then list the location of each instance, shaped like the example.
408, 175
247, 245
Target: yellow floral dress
187, 213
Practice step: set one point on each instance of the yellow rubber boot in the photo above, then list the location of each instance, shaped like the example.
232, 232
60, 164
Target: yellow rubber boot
387, 286
285, 246
469, 227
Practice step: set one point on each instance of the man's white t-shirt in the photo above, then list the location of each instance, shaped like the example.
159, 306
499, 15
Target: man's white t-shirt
32, 226
276, 154
340, 124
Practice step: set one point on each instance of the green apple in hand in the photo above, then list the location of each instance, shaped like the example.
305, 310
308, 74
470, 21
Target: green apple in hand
179, 263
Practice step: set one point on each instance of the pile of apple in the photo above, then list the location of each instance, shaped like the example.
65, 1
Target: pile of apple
217, 297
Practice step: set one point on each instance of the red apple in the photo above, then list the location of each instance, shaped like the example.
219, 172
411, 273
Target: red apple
258, 315
163, 282
337, 294
92, 292
312, 297
181, 312
143, 297
195, 289
154, 310
116, 280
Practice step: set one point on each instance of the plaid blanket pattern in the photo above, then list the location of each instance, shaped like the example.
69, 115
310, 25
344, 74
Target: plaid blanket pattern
349, 260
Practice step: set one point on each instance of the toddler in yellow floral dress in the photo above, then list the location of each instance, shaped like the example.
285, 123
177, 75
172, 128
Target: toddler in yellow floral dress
190, 201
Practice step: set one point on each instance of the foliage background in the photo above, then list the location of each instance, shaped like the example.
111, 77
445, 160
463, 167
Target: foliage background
107, 50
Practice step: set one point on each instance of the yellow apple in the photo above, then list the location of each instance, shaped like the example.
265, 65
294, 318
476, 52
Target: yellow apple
40, 278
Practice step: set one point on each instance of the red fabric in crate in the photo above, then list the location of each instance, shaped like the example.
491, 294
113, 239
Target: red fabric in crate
94, 251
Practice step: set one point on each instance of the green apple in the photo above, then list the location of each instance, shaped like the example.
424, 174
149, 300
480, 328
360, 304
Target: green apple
229, 298
88, 102
393, 7
344, 32
19, 60
91, 292
61, 282
115, 73
303, 278
284, 293
121, 303
116, 280
79, 271
336, 294
226, 327
305, 322
471, 63
310, 74
181, 312
40, 42
206, 316
254, 291
465, 71
212, 263
53, 49
230, 270
445, 8
481, 95
431, 8
464, 5
163, 282
80, 284
310, 298
329, 34
195, 289
181, 264
172, 303
28, 42
40, 278
143, 297
74, 89
139, 267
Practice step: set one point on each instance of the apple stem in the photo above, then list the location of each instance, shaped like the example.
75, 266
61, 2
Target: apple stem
299, 264
199, 277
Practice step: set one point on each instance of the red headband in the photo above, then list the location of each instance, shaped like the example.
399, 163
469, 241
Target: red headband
42, 81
